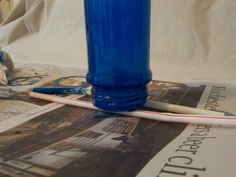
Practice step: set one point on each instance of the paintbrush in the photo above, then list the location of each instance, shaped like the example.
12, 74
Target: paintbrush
149, 115
149, 103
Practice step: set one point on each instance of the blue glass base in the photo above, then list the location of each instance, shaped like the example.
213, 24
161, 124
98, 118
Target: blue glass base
117, 99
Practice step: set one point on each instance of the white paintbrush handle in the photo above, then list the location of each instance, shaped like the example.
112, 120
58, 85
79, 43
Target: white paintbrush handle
174, 108
180, 109
155, 116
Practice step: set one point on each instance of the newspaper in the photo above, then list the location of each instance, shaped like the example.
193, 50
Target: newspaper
42, 139
200, 150
16, 107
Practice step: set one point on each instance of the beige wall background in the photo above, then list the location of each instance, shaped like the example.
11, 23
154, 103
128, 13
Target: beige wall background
190, 39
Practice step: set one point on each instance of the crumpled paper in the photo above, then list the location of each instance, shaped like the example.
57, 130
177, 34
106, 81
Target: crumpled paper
6, 66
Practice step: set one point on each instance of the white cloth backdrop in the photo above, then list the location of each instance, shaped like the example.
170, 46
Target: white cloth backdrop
190, 39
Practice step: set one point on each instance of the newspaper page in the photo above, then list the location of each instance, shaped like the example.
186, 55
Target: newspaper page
42, 139
200, 150
15, 105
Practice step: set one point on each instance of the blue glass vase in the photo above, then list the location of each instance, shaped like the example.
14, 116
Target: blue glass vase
118, 37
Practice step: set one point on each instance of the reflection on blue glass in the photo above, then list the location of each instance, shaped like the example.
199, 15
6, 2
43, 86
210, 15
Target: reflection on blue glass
118, 52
